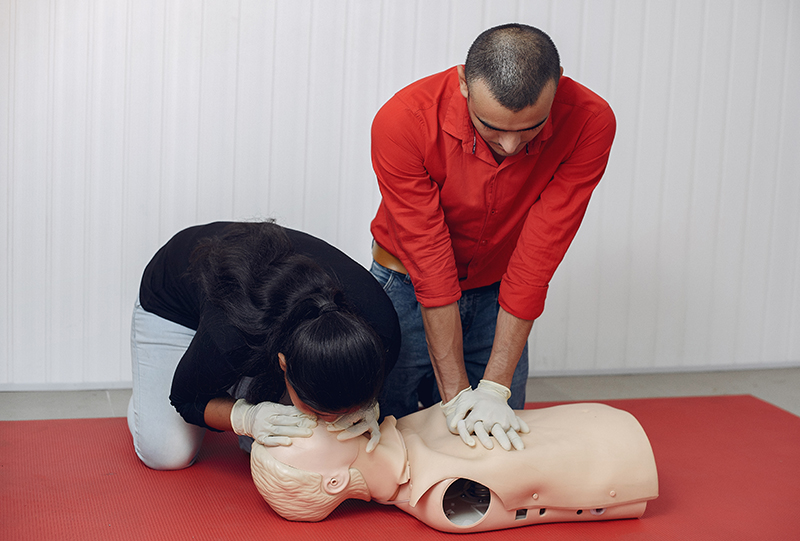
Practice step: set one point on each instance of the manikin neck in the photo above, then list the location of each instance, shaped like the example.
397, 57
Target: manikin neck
385, 469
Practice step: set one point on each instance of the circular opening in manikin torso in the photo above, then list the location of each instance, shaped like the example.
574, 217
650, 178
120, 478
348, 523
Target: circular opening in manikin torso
465, 502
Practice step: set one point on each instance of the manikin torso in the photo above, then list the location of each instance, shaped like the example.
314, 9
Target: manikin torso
580, 462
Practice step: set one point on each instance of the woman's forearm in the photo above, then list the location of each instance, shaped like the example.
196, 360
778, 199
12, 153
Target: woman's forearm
218, 413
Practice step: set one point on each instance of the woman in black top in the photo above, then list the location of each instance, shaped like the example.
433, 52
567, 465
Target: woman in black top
261, 313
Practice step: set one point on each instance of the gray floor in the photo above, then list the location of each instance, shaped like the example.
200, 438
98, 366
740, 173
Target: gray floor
780, 387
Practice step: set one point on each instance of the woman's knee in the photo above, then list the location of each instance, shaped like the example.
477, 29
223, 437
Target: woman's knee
163, 447
169, 453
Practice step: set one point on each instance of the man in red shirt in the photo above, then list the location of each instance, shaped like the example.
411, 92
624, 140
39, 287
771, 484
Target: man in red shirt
486, 171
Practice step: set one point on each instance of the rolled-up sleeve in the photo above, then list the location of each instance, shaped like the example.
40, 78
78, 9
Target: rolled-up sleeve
411, 213
554, 219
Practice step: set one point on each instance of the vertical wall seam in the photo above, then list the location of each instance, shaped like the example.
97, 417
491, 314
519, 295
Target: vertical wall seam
612, 67
636, 159
582, 24
794, 316
236, 84
9, 168
271, 127
693, 156
199, 111
484, 21
162, 122
669, 131
414, 42
87, 181
770, 241
307, 122
724, 144
340, 179
375, 191
570, 276
125, 176
746, 222
49, 173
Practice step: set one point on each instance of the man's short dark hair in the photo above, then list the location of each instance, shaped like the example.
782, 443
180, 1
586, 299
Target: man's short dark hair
515, 61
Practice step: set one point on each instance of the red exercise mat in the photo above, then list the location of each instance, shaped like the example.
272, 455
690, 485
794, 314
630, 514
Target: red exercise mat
729, 468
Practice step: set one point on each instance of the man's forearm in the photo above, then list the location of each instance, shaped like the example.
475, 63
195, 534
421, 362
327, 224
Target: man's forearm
445, 346
511, 335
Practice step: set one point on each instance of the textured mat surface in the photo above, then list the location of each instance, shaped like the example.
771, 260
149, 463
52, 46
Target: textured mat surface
729, 468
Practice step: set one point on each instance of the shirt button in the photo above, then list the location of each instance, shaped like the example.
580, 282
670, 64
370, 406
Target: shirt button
483, 243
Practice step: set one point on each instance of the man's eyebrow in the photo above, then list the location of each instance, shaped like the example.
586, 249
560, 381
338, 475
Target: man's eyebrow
514, 131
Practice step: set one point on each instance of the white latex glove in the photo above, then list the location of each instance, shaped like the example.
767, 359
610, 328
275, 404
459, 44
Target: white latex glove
482, 412
269, 423
354, 424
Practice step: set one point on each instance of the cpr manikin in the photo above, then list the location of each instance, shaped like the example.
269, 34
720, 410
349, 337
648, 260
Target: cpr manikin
580, 462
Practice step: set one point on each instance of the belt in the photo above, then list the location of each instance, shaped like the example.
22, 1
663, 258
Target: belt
385, 259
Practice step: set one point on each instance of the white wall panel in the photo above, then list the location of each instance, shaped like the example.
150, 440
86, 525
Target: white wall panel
219, 68
783, 281
30, 82
360, 99
323, 146
66, 264
7, 53
253, 106
122, 122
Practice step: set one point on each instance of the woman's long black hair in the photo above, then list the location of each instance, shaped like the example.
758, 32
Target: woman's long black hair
283, 302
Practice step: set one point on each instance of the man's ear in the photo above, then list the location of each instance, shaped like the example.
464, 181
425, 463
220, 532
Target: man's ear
462, 81
337, 481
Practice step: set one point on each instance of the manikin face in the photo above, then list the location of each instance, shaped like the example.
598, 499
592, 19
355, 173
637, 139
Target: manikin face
384, 469
505, 131
321, 453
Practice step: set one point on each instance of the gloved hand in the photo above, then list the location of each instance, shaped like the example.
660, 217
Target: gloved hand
354, 424
269, 423
483, 411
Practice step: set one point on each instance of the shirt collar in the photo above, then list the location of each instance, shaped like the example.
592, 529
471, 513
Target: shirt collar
458, 124
456, 120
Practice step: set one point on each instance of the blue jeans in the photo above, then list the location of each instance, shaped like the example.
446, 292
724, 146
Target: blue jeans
412, 380
162, 439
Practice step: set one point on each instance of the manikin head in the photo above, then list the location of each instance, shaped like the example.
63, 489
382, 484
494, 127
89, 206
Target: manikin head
307, 480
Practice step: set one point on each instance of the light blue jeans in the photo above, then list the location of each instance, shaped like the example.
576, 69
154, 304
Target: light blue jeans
412, 381
162, 439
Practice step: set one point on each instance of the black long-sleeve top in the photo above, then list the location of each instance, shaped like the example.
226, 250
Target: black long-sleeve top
215, 359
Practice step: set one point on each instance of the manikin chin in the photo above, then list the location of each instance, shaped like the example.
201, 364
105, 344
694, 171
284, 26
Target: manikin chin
581, 462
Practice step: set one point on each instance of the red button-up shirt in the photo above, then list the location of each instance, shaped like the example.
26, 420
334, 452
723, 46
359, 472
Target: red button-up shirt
458, 220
